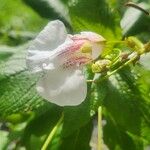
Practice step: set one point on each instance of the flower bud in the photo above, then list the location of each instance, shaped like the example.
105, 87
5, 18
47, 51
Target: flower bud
135, 44
124, 56
147, 47
100, 65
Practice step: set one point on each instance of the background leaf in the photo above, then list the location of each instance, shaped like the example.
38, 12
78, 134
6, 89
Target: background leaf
17, 27
135, 22
50, 9
97, 16
17, 85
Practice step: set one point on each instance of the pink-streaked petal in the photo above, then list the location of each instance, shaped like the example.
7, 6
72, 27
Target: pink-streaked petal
78, 37
77, 61
96, 50
64, 87
70, 48
93, 37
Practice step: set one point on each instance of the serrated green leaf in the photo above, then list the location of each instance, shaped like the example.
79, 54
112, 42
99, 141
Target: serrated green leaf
98, 94
128, 106
15, 60
17, 92
140, 89
122, 106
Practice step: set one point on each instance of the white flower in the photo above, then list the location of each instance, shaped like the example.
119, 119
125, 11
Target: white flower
61, 58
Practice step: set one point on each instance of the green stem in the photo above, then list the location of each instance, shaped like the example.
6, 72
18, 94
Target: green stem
114, 71
52, 133
115, 42
100, 130
119, 68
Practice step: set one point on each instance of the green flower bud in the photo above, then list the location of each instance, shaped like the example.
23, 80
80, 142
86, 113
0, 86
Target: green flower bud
100, 65
147, 47
124, 56
135, 44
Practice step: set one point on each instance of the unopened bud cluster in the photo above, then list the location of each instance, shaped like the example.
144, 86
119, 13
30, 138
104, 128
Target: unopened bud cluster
101, 65
134, 48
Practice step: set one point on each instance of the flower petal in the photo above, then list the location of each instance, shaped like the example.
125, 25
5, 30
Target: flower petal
96, 50
93, 37
145, 61
40, 52
63, 87
53, 35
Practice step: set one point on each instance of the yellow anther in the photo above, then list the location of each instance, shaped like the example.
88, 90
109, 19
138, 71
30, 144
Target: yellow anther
100, 65
86, 47
96, 68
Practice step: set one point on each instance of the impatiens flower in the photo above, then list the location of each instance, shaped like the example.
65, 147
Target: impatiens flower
61, 57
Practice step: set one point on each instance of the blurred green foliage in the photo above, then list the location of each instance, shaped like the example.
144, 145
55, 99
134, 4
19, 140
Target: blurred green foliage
26, 119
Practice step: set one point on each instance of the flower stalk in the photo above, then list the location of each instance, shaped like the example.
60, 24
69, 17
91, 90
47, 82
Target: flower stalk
52, 133
132, 59
100, 130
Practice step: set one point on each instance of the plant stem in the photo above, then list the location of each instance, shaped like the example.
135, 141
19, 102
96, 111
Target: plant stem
52, 133
119, 68
100, 130
114, 71
115, 42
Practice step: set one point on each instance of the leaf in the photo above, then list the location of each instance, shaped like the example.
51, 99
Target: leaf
140, 89
104, 20
36, 130
146, 135
13, 60
118, 139
50, 9
135, 22
128, 107
17, 91
4, 139
122, 107
17, 27
78, 140
96, 16
98, 94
